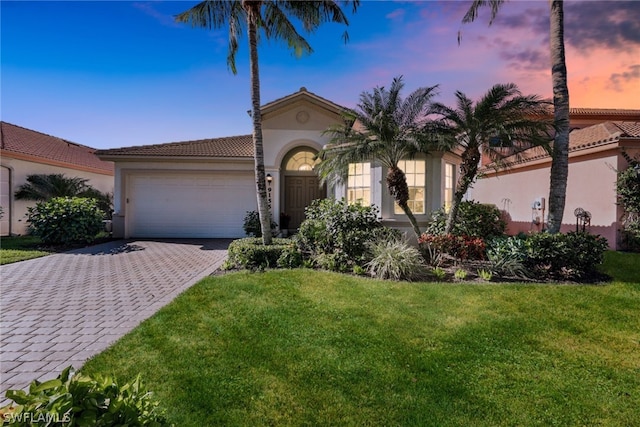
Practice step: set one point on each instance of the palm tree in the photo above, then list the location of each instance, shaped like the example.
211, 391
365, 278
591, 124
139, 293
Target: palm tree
502, 115
382, 127
272, 17
560, 152
43, 187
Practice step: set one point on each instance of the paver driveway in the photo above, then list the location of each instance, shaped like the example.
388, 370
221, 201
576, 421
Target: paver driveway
62, 309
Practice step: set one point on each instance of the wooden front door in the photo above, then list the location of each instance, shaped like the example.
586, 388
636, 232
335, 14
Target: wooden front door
299, 192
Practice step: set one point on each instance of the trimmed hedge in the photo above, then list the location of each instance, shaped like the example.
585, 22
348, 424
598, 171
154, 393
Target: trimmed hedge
474, 219
250, 253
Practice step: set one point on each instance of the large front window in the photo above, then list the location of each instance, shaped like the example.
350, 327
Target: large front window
359, 184
414, 171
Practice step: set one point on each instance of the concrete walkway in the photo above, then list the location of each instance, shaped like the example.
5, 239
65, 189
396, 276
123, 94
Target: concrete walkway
62, 309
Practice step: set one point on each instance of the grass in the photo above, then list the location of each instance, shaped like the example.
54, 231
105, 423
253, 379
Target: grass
303, 347
20, 248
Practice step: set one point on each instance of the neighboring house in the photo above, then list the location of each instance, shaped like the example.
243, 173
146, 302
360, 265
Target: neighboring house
596, 147
204, 188
26, 152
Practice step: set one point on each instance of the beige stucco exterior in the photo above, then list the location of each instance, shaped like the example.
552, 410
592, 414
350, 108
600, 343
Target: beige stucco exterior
590, 186
14, 219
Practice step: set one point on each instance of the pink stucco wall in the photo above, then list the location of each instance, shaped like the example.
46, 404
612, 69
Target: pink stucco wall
591, 186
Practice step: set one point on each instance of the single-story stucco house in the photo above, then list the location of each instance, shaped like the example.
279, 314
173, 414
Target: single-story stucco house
205, 188
599, 145
25, 152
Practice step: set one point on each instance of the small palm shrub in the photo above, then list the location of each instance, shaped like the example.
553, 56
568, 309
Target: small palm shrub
474, 219
252, 226
396, 260
80, 400
335, 234
628, 191
250, 253
65, 220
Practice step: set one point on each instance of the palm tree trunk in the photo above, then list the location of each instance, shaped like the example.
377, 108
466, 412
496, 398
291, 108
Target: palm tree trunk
399, 190
258, 149
468, 172
560, 156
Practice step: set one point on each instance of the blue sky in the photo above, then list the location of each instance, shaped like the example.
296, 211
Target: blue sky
121, 73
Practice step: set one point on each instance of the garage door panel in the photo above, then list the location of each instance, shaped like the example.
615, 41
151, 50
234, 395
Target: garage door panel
190, 205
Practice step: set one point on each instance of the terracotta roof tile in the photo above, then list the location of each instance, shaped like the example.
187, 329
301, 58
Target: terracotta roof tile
32, 145
580, 139
231, 146
604, 111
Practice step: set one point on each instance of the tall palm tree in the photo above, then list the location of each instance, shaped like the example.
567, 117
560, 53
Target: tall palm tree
382, 127
502, 115
272, 17
560, 152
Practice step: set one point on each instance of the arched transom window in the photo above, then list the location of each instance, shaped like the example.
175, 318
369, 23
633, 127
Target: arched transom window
301, 161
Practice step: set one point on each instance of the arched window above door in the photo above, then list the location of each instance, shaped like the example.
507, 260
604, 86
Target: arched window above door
301, 161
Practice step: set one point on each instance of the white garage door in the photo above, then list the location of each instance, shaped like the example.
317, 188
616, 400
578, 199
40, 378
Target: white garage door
189, 204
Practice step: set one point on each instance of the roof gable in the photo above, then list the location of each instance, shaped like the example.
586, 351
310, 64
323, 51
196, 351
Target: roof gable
302, 95
25, 144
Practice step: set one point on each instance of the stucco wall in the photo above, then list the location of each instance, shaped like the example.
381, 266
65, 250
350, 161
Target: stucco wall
20, 169
591, 186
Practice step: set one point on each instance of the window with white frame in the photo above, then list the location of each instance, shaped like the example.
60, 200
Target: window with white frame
449, 170
414, 171
359, 184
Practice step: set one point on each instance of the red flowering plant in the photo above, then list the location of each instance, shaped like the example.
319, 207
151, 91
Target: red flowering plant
460, 247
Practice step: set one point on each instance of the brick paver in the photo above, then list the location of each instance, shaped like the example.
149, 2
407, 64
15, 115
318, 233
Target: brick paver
62, 309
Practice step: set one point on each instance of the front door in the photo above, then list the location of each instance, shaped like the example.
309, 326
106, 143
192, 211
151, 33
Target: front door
299, 192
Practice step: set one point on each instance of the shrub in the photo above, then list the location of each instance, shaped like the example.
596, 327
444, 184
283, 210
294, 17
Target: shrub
485, 275
64, 220
80, 400
574, 255
290, 257
474, 219
252, 226
628, 191
460, 274
507, 256
461, 247
335, 234
251, 254
395, 260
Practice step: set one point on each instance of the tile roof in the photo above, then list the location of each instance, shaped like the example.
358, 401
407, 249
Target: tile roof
26, 144
581, 139
605, 111
231, 146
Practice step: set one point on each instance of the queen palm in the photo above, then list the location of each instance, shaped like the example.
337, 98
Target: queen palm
385, 128
272, 17
502, 115
560, 152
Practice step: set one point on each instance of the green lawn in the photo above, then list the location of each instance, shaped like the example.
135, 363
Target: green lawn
20, 248
303, 347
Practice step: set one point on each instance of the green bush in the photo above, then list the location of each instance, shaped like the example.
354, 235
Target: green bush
474, 219
252, 226
573, 256
335, 234
79, 400
507, 257
251, 254
460, 247
64, 220
628, 191
396, 260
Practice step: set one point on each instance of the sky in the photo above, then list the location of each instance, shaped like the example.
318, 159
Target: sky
123, 73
